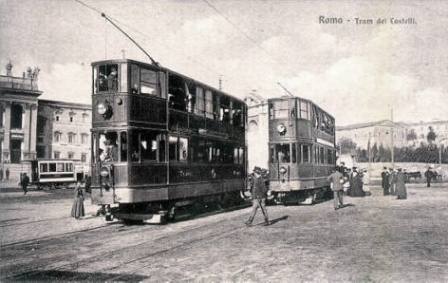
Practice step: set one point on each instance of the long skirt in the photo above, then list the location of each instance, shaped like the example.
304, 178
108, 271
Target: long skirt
401, 191
78, 208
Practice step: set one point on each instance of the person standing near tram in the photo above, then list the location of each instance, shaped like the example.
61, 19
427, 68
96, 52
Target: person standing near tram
259, 195
336, 181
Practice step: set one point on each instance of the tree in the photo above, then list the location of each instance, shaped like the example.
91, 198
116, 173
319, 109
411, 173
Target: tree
346, 145
431, 136
374, 153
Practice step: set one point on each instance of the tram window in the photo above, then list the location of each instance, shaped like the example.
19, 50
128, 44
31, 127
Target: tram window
279, 109
224, 109
304, 109
60, 167
123, 147
305, 153
237, 114
199, 150
52, 167
172, 147
68, 167
241, 156
216, 106
208, 104
135, 149
107, 79
191, 96
176, 93
148, 146
329, 156
183, 149
43, 167
162, 142
322, 156
200, 105
293, 153
227, 153
316, 154
107, 147
235, 155
148, 82
272, 157
135, 79
315, 117
283, 153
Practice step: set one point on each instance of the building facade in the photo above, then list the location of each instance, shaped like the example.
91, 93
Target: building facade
257, 131
33, 128
18, 120
63, 132
379, 133
404, 134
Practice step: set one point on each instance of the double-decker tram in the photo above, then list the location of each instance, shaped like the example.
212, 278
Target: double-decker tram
302, 149
161, 140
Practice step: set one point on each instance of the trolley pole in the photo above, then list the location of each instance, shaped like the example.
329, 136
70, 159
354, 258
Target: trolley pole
392, 136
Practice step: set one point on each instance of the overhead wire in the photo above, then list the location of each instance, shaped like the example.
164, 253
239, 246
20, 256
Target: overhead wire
151, 38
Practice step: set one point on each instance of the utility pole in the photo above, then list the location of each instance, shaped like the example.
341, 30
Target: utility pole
392, 135
220, 82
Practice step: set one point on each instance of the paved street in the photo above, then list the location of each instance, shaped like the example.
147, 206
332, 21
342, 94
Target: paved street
376, 238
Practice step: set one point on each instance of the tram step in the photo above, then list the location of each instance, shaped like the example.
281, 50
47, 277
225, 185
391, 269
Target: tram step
152, 218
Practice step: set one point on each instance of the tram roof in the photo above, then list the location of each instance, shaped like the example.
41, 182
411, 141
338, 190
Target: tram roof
310, 101
111, 61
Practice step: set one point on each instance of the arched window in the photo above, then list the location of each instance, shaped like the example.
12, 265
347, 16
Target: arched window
57, 136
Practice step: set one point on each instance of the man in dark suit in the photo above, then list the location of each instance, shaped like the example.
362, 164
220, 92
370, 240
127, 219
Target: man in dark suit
428, 176
385, 181
336, 186
259, 194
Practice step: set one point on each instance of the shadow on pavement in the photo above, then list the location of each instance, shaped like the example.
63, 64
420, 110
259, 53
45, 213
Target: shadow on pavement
346, 205
59, 275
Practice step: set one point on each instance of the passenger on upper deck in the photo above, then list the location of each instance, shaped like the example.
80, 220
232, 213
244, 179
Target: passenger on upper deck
112, 79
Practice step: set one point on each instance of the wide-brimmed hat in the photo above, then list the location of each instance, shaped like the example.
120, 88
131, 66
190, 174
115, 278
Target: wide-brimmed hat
257, 170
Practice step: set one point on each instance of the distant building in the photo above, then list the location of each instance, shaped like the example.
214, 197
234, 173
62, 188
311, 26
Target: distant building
63, 132
31, 128
404, 134
379, 133
18, 120
421, 130
257, 131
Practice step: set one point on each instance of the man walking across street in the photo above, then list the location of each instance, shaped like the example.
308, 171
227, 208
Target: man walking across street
336, 186
428, 176
259, 194
24, 183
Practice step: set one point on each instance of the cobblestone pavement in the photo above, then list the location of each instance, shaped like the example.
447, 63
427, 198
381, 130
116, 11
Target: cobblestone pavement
376, 238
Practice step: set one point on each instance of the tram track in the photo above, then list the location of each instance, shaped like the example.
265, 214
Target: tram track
73, 266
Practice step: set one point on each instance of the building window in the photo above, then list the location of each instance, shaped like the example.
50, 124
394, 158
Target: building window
83, 157
57, 117
56, 154
84, 138
71, 137
71, 119
85, 117
1, 116
70, 155
16, 150
57, 136
16, 116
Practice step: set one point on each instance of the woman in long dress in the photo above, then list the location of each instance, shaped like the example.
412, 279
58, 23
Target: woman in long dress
400, 185
78, 204
356, 190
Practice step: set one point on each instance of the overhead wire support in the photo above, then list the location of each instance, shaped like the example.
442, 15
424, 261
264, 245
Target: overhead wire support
285, 89
130, 38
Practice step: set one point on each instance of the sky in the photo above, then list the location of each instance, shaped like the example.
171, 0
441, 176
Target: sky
356, 72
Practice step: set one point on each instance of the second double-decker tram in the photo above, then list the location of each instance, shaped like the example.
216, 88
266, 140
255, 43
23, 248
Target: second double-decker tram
301, 149
161, 140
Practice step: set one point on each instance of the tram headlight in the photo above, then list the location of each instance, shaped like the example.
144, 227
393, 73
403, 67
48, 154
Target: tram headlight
104, 172
283, 170
101, 108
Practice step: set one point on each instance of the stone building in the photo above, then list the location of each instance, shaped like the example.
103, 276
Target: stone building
18, 120
257, 131
63, 132
378, 133
421, 130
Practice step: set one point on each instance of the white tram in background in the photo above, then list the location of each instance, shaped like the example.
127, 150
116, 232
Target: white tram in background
53, 173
